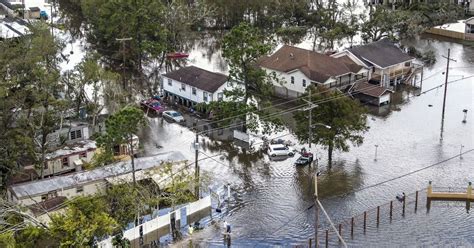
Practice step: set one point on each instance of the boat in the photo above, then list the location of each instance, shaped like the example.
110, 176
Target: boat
176, 55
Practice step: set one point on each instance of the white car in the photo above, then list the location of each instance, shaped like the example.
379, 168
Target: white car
173, 115
280, 150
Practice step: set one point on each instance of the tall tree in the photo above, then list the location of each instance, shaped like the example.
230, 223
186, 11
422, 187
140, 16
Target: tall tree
89, 73
243, 46
86, 218
346, 117
121, 128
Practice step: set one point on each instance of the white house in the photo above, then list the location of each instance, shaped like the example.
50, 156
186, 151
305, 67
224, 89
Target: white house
297, 68
191, 85
388, 65
84, 182
69, 158
69, 133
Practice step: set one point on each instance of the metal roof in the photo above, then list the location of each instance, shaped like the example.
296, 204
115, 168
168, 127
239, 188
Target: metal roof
83, 177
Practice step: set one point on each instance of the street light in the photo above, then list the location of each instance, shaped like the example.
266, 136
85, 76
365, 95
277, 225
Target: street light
313, 126
321, 125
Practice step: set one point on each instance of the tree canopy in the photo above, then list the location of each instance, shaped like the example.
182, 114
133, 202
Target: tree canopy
86, 218
346, 117
121, 127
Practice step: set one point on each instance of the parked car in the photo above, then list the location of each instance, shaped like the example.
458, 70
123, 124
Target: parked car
173, 115
153, 104
280, 150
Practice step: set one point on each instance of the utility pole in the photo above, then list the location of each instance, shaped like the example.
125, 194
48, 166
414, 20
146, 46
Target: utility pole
445, 90
122, 40
310, 107
316, 205
196, 166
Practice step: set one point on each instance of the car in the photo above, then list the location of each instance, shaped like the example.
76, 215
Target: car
305, 159
280, 150
154, 105
173, 115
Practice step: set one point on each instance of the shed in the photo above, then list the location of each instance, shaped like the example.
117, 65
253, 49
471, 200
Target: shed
370, 93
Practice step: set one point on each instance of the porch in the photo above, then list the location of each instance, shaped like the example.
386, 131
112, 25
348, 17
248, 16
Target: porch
391, 77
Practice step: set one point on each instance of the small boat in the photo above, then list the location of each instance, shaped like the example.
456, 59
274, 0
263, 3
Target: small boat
176, 55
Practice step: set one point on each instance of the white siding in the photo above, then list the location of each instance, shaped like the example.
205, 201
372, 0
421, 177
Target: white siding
384, 98
176, 88
297, 86
55, 165
87, 189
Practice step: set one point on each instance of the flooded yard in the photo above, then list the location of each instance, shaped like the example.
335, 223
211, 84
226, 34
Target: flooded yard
272, 199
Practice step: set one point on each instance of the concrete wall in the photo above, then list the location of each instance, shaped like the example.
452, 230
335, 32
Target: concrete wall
446, 33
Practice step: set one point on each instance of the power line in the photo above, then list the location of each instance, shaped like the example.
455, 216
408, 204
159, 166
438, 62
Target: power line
322, 101
292, 218
290, 110
302, 97
332, 224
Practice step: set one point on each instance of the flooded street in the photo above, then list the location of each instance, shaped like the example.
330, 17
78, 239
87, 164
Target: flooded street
271, 198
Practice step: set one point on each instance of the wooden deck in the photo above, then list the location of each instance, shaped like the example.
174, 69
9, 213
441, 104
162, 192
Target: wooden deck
450, 195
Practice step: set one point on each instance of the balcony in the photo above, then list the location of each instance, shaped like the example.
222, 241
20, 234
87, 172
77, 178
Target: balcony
392, 75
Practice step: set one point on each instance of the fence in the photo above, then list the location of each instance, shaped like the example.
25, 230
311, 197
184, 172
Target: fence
371, 219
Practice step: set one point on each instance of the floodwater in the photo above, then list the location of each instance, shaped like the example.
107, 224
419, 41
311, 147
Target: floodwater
271, 200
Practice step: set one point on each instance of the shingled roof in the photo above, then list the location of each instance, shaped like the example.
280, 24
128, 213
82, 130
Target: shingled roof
199, 78
369, 89
382, 53
316, 66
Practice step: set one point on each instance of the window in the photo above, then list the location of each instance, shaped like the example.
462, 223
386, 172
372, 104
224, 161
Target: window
204, 96
65, 162
304, 82
79, 189
183, 87
83, 155
44, 197
292, 80
220, 96
76, 134
170, 82
194, 91
407, 64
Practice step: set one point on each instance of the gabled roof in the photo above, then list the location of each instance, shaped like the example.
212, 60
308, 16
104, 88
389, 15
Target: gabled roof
199, 78
369, 89
382, 53
83, 177
316, 66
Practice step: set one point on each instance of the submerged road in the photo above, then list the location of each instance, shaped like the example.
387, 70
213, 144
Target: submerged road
271, 198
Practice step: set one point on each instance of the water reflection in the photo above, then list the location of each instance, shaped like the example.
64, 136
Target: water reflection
339, 180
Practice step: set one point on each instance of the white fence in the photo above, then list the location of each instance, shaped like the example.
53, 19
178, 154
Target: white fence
158, 227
